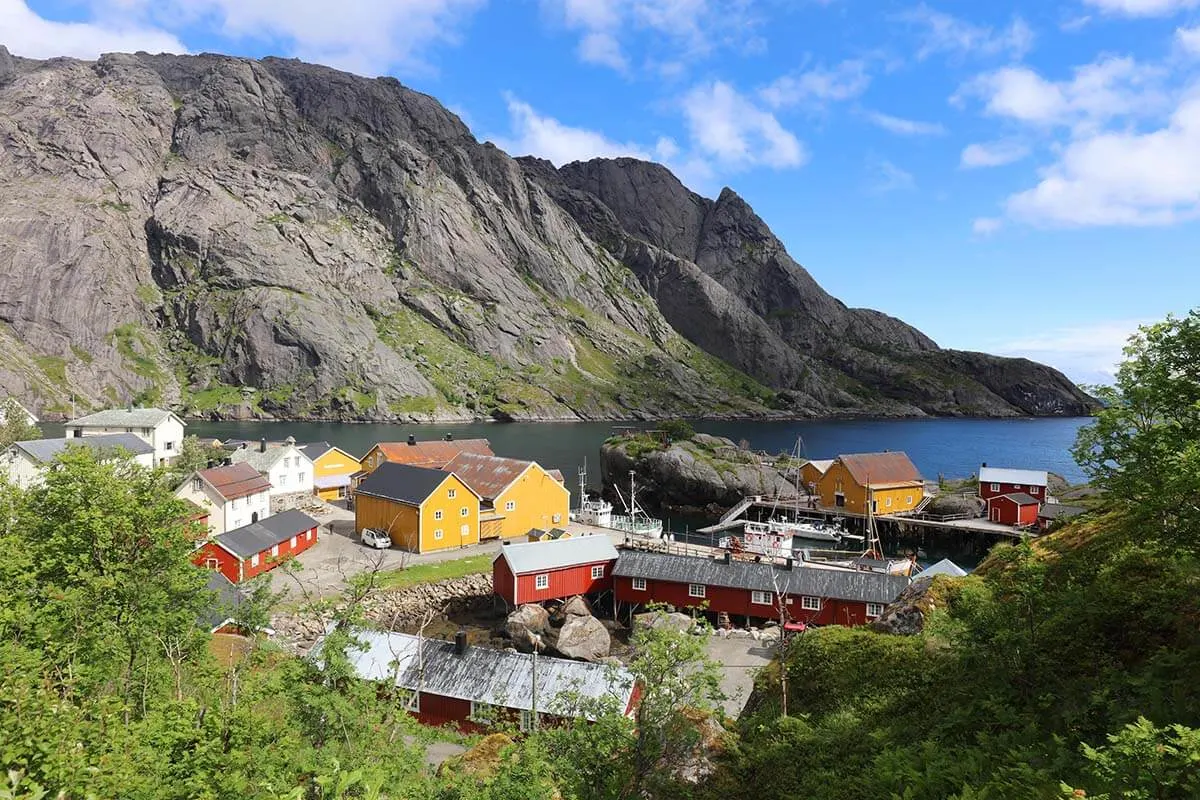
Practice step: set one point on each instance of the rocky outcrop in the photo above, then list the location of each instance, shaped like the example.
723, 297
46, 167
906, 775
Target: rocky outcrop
527, 625
237, 237
701, 474
664, 620
906, 615
584, 638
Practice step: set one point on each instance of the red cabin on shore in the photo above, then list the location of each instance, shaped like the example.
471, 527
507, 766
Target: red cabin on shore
1017, 508
812, 595
533, 572
253, 549
995, 482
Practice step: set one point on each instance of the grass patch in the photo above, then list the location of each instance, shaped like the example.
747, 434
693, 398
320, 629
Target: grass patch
124, 208
434, 572
54, 368
81, 355
414, 405
147, 294
215, 397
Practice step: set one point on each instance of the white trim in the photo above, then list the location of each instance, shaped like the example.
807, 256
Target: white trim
810, 603
541, 582
877, 608
638, 584
693, 588
760, 598
595, 567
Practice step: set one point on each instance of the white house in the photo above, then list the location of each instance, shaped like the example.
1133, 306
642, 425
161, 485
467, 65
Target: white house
160, 429
234, 495
286, 466
12, 403
25, 462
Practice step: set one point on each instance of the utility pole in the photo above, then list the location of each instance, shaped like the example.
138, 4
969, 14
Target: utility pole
533, 713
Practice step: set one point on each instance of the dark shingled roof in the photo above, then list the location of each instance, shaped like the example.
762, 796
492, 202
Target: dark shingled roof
402, 483
43, 450
839, 584
880, 468
227, 599
1021, 498
267, 532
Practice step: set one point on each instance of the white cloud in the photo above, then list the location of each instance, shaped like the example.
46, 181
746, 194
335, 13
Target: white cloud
992, 154
603, 48
1121, 177
986, 226
943, 33
888, 177
1086, 353
730, 128
1189, 39
847, 80
905, 127
546, 137
27, 34
1142, 8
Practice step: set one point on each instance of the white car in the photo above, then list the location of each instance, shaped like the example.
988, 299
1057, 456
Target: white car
373, 537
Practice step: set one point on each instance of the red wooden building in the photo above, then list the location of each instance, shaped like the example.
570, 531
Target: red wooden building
475, 688
753, 591
252, 549
533, 572
1017, 508
995, 481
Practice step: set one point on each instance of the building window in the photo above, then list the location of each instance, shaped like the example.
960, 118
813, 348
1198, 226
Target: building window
293, 542
810, 603
1016, 486
452, 493
254, 560
233, 503
212, 563
413, 703
145, 431
168, 445
541, 582
760, 598
995, 487
283, 479
300, 477
526, 723
464, 512
557, 518
887, 502
1033, 489
310, 534
274, 550
464, 531
597, 571
908, 500
437, 514
483, 713
129, 430
874, 610
197, 484
639, 584
511, 505
437, 534
695, 590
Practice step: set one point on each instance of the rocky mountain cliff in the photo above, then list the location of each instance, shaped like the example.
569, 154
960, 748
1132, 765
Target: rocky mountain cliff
238, 237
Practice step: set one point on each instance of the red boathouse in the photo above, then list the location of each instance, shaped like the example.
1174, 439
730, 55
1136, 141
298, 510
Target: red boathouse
995, 481
1017, 508
533, 572
253, 549
754, 591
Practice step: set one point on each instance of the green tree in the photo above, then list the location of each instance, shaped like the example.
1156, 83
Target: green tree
194, 455
1144, 762
677, 430
15, 426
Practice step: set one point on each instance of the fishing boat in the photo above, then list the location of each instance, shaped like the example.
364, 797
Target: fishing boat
597, 511
636, 521
785, 538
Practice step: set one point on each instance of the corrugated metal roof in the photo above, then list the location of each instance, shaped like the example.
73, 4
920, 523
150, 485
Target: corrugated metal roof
880, 468
235, 480
497, 677
43, 450
489, 476
526, 557
435, 454
1021, 477
267, 532
331, 481
861, 586
402, 483
127, 417
943, 567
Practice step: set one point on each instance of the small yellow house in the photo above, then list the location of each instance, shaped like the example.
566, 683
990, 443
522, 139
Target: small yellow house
811, 472
517, 496
886, 483
423, 510
332, 468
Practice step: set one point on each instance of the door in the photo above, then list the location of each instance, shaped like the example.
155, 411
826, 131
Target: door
995, 514
254, 518
839, 500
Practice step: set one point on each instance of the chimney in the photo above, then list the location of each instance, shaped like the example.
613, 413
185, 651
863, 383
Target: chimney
449, 437
984, 465
262, 445
211, 463
728, 557
228, 462
412, 439
460, 643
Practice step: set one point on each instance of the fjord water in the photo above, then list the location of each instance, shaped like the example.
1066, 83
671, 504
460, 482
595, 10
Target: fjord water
952, 447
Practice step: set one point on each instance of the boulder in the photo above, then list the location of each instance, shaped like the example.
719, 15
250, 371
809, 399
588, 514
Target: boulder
527, 623
659, 620
584, 638
577, 606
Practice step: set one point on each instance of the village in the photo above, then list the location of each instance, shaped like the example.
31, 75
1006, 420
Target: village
569, 577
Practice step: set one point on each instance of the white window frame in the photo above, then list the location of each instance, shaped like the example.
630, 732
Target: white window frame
212, 563
760, 598
697, 590
556, 518
1034, 490
1016, 486
254, 560
542, 582
465, 530
465, 511
293, 543
437, 514
525, 723
995, 487
887, 502
311, 531
597, 571
484, 713
413, 703
300, 476
874, 610
233, 503
639, 584
274, 550
908, 500
451, 493
437, 534
810, 603
511, 505
197, 484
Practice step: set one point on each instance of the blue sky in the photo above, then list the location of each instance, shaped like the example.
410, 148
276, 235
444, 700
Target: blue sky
1021, 178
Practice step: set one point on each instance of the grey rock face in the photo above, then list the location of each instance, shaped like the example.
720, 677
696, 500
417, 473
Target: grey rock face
664, 620
526, 625
584, 638
174, 229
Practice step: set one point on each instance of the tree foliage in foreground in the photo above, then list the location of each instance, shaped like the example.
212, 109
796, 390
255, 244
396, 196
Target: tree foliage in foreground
14, 425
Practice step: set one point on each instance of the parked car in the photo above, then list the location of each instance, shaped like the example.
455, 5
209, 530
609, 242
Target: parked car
373, 537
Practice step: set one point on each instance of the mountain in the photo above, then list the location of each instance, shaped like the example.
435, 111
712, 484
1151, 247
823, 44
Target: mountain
234, 237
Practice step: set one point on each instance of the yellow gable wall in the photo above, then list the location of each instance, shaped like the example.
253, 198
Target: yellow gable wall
903, 498
330, 463
452, 521
537, 500
809, 475
399, 520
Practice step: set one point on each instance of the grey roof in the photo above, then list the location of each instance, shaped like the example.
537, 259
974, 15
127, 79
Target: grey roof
262, 535
42, 450
315, 450
1021, 477
263, 462
227, 599
840, 584
1060, 511
526, 557
497, 677
943, 567
402, 483
127, 417
1021, 498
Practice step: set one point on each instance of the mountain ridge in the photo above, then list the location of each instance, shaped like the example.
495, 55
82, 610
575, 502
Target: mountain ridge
238, 237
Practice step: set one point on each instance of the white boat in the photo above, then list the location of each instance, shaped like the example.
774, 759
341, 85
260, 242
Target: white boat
636, 521
783, 538
597, 512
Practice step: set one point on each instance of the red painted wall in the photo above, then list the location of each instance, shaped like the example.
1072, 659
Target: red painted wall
564, 583
1036, 492
502, 580
228, 563
1003, 510
736, 603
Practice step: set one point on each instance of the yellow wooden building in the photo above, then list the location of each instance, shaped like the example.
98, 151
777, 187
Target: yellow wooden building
423, 510
332, 468
517, 496
811, 472
886, 483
